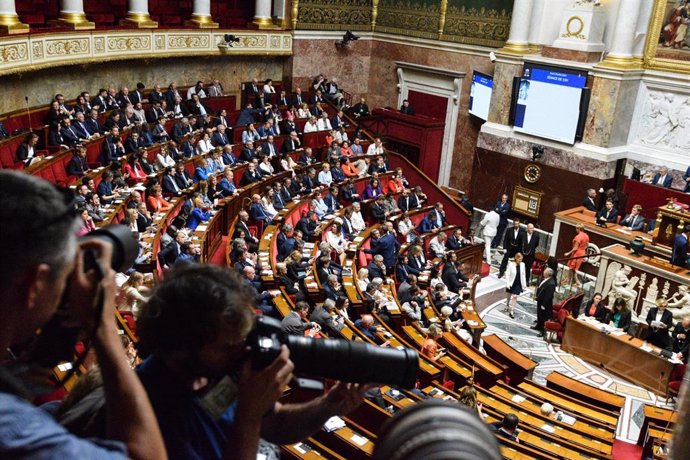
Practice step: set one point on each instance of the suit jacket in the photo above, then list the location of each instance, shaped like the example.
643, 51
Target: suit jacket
241, 226
109, 152
600, 312
377, 212
405, 203
666, 317
417, 264
450, 278
679, 255
513, 243
247, 154
69, 136
545, 293
77, 166
686, 176
325, 320
219, 140
249, 177
266, 149
666, 182
289, 145
634, 222
388, 247
94, 125
170, 186
375, 271
589, 204
609, 215
168, 255
529, 249
453, 243
23, 152
502, 209
307, 227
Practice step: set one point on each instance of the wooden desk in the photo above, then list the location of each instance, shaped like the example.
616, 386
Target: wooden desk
518, 366
599, 237
620, 355
584, 392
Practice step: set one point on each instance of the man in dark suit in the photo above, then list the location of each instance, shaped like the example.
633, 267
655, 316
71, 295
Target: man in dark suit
220, 138
360, 109
285, 242
530, 243
377, 210
297, 99
681, 338
662, 178
77, 166
338, 120
406, 108
309, 226
451, 278
502, 208
590, 200
248, 153
512, 243
257, 212
242, 227
112, 148
388, 247
269, 147
607, 214
92, 123
68, 133
406, 201
679, 254
663, 321
376, 268
169, 183
250, 175
456, 240
634, 221
545, 293
134, 142
167, 257
181, 129
291, 144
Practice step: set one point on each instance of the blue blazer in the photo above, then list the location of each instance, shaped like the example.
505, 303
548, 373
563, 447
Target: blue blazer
200, 174
196, 217
227, 187
388, 247
667, 180
686, 176
256, 212
425, 226
502, 209
679, 255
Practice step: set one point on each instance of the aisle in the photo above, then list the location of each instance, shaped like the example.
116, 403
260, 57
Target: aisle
517, 333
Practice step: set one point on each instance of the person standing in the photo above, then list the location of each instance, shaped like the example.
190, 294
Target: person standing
545, 292
512, 243
530, 243
489, 226
679, 255
580, 242
502, 208
515, 283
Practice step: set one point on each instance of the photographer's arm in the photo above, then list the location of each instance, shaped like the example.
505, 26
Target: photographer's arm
291, 423
130, 417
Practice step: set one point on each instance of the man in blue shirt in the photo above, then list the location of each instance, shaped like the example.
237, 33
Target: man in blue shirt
239, 406
35, 270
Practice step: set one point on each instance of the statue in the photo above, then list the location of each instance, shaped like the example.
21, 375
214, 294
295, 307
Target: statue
679, 303
622, 286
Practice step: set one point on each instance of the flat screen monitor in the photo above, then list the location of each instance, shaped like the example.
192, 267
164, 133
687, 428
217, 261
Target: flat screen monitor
548, 102
480, 95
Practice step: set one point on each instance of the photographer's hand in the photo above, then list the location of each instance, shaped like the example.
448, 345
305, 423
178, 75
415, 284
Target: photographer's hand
343, 398
258, 393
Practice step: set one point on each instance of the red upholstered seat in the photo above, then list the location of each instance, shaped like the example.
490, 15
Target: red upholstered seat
676, 379
557, 327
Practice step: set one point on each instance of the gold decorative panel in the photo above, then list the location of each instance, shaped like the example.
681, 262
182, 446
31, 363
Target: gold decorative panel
476, 25
334, 14
32, 52
418, 18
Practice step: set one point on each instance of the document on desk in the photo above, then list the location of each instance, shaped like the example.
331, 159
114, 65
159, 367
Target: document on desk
549, 428
647, 348
359, 440
518, 398
623, 230
334, 423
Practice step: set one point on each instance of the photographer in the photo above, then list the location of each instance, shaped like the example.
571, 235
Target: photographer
195, 327
39, 225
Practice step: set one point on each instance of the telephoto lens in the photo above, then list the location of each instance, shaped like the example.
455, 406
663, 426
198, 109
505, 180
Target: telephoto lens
344, 360
436, 430
124, 245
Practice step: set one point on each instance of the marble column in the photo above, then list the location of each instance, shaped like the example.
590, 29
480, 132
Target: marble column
72, 16
9, 21
621, 51
138, 15
262, 14
201, 15
518, 38
508, 66
280, 13
535, 29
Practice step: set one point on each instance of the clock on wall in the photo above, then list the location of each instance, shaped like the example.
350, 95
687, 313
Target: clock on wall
532, 173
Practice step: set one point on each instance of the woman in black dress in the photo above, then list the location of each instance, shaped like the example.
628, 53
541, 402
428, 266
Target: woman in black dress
515, 283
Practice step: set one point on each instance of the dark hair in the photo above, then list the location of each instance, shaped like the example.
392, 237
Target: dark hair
510, 421
202, 292
620, 301
38, 224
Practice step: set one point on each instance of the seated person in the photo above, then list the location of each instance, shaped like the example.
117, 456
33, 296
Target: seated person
508, 427
595, 308
620, 317
607, 214
295, 322
634, 221
430, 347
368, 327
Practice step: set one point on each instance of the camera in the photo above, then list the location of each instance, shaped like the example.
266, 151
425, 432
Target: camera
230, 39
56, 341
348, 361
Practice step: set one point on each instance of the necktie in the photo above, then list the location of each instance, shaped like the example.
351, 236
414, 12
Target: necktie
177, 189
632, 224
72, 132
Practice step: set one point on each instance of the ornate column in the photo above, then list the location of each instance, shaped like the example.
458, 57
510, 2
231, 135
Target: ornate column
518, 39
262, 14
72, 16
442, 18
374, 14
9, 21
201, 16
138, 15
280, 13
621, 51
534, 37
295, 13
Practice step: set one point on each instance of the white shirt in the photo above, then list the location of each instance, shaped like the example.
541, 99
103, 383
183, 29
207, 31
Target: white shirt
324, 124
269, 89
374, 150
163, 161
267, 167
204, 146
192, 90
335, 241
311, 127
405, 228
325, 178
490, 223
357, 221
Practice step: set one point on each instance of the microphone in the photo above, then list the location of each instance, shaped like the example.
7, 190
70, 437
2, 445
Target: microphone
28, 112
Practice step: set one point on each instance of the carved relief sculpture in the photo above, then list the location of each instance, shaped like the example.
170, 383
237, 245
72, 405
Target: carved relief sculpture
665, 121
679, 303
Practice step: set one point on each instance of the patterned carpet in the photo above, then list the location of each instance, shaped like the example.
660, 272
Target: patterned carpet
490, 301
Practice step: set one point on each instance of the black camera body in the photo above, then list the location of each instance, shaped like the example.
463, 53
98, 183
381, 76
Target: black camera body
56, 341
348, 361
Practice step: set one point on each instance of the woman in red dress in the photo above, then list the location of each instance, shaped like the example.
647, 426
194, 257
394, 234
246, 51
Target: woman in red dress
580, 242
